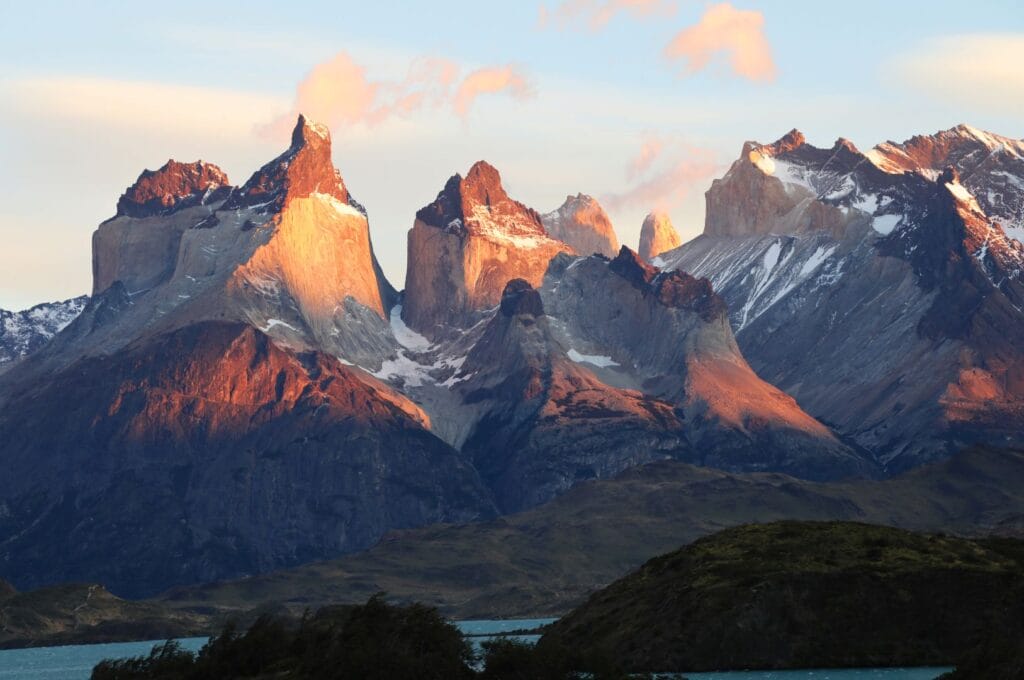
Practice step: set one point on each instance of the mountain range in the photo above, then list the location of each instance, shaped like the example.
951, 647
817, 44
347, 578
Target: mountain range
244, 390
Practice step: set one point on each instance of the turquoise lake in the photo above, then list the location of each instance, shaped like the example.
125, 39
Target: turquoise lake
75, 662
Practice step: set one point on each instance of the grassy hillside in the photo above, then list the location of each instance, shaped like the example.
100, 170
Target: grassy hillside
547, 560
803, 594
82, 613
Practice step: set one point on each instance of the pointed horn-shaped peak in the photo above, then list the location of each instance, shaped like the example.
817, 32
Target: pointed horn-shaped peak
793, 139
483, 184
304, 169
657, 235
309, 132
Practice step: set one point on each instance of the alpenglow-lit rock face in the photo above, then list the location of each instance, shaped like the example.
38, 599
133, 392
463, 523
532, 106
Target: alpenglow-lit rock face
465, 246
209, 451
247, 382
173, 187
583, 224
288, 252
657, 235
881, 289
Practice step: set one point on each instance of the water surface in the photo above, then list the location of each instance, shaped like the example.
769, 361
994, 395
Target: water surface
75, 662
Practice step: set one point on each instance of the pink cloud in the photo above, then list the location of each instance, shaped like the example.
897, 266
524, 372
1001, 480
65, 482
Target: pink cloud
597, 13
664, 185
489, 81
339, 93
726, 30
650, 149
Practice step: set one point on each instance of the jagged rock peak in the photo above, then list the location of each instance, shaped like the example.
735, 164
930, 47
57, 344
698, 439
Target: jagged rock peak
631, 267
790, 141
958, 146
582, 223
304, 169
845, 144
519, 297
657, 235
483, 185
465, 246
673, 289
479, 204
174, 186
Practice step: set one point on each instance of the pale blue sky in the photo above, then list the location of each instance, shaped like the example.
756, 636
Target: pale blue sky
92, 93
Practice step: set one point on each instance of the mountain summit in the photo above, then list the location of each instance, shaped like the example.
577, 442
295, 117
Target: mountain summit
465, 246
657, 235
582, 223
895, 273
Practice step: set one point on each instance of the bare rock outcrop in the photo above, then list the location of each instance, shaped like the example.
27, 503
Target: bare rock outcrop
465, 246
657, 235
583, 224
896, 274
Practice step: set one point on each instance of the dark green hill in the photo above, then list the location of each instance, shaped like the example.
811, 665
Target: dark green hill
803, 594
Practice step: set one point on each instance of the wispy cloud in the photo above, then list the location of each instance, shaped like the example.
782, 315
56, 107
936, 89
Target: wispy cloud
340, 93
981, 71
650, 149
595, 14
723, 30
662, 174
489, 81
133, 105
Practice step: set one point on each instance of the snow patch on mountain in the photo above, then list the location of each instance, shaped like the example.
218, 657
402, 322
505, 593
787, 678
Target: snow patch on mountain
339, 206
406, 336
595, 359
502, 228
885, 224
22, 332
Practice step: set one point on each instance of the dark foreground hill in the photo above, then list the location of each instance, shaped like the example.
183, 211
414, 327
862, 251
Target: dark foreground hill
802, 595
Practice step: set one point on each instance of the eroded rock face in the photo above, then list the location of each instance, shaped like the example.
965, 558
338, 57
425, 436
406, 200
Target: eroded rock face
173, 187
303, 170
583, 224
465, 246
139, 245
543, 422
881, 274
289, 252
210, 452
668, 334
989, 166
657, 235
